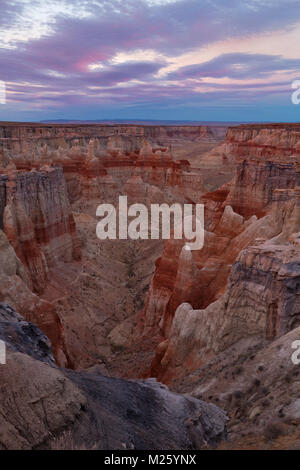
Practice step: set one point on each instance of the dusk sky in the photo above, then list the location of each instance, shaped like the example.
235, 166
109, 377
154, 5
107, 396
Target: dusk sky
228, 60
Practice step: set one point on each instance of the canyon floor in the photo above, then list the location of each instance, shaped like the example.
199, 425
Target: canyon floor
141, 344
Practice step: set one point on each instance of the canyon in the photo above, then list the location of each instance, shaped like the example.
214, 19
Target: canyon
215, 325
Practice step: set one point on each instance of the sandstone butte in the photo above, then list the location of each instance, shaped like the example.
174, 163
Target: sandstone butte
217, 323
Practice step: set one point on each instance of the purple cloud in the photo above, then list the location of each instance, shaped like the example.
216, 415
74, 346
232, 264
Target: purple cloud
52, 68
238, 66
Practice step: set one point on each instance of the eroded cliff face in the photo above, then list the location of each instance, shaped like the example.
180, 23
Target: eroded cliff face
98, 163
38, 221
256, 180
259, 209
85, 410
15, 133
148, 307
98, 160
257, 142
16, 290
39, 234
261, 301
264, 140
226, 234
258, 385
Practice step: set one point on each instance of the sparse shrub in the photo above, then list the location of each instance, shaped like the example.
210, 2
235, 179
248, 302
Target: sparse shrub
229, 399
238, 370
242, 358
288, 379
116, 348
273, 430
238, 394
66, 442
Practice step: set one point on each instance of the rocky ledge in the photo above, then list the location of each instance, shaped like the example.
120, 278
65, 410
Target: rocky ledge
63, 409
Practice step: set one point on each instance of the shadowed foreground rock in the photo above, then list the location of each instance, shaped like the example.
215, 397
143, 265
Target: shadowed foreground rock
22, 336
41, 402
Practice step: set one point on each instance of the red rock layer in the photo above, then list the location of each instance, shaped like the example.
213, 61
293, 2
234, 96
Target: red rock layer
264, 140
21, 131
98, 163
16, 290
96, 158
38, 221
100, 166
233, 220
36, 217
262, 301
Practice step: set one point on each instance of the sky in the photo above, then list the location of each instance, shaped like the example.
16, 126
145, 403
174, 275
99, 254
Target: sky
199, 60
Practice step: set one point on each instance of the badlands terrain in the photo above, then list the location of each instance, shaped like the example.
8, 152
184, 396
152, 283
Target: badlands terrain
123, 344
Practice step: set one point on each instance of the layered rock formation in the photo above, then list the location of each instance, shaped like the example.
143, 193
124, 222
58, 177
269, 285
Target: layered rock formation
261, 300
16, 289
258, 385
261, 204
64, 410
39, 234
99, 163
147, 307
264, 140
97, 159
38, 221
15, 133
257, 142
